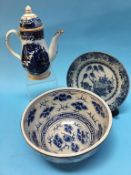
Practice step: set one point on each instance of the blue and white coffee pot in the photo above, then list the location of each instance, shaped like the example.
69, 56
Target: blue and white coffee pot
36, 57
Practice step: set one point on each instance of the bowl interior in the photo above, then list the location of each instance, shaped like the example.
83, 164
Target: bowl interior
65, 121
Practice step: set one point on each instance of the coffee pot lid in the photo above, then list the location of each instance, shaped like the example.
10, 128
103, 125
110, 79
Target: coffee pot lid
30, 21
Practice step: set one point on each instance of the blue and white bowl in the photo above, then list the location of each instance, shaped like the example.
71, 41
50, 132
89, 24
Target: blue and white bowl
66, 125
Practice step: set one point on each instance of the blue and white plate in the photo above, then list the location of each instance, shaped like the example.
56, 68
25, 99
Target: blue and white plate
101, 74
66, 125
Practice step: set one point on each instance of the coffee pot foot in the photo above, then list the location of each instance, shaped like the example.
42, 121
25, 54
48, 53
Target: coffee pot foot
40, 76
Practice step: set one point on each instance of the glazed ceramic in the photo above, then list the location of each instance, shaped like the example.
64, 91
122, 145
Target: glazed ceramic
35, 57
101, 74
66, 125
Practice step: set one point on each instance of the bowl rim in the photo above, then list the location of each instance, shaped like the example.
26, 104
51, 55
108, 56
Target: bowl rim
79, 153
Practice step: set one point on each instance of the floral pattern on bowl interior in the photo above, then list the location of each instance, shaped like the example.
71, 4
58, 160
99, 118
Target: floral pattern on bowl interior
65, 121
68, 133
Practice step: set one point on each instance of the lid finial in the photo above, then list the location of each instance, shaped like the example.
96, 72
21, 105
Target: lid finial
28, 9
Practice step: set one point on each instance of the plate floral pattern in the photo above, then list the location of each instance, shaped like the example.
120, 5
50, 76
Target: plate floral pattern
101, 74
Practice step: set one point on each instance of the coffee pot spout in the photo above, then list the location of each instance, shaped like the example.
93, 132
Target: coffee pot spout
53, 46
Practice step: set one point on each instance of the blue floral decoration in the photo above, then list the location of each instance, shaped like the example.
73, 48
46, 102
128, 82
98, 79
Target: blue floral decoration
34, 58
79, 106
89, 68
30, 23
100, 131
86, 85
68, 128
82, 136
34, 138
104, 80
85, 75
98, 108
31, 116
101, 91
32, 35
103, 86
46, 112
62, 97
96, 68
74, 147
57, 141
68, 138
100, 67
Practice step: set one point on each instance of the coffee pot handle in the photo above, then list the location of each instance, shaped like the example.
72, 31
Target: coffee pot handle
8, 34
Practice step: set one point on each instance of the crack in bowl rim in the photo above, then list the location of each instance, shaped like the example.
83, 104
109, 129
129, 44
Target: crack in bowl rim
79, 153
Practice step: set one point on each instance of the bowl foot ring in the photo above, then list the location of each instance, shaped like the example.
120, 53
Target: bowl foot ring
115, 112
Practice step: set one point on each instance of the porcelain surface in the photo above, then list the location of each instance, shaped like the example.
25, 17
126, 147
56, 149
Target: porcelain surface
66, 125
101, 74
